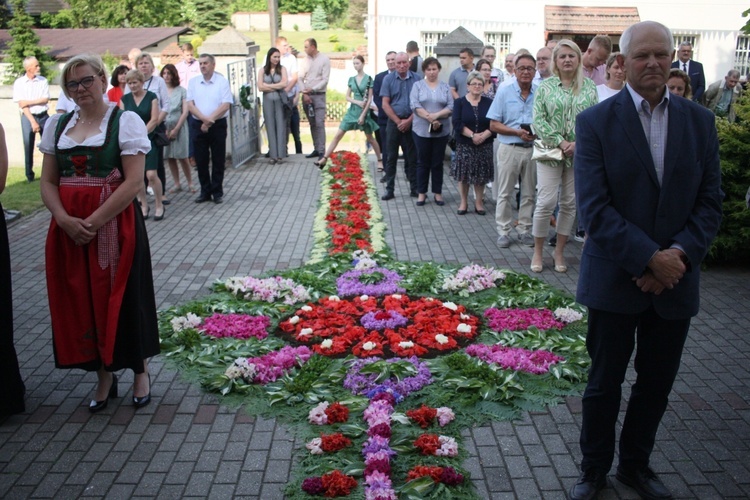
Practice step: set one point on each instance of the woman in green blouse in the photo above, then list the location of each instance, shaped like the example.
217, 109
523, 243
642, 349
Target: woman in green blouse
558, 101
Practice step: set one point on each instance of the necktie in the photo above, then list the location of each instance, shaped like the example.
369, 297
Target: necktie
684, 67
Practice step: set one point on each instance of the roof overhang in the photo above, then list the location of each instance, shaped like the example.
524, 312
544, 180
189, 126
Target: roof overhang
563, 19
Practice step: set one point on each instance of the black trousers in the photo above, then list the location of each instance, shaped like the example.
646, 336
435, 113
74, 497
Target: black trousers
210, 147
395, 139
12, 389
611, 340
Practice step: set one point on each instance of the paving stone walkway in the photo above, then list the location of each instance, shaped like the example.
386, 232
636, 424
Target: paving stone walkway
186, 444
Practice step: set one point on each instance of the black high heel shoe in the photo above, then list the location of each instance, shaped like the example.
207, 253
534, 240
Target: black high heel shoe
321, 163
143, 401
97, 406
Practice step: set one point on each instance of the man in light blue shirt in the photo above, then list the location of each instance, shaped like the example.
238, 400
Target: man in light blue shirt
510, 116
457, 79
395, 93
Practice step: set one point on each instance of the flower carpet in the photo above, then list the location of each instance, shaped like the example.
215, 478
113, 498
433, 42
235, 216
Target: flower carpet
378, 364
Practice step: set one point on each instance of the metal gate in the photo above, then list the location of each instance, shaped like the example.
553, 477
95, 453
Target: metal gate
245, 122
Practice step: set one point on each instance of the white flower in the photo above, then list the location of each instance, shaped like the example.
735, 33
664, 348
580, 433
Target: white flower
182, 322
396, 296
465, 316
326, 344
369, 346
294, 320
406, 344
451, 306
429, 299
306, 308
305, 332
334, 298
441, 339
364, 297
463, 328
567, 315
233, 372
314, 446
235, 285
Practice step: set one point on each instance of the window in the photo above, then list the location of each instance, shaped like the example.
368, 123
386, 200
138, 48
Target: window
501, 42
429, 40
742, 55
693, 39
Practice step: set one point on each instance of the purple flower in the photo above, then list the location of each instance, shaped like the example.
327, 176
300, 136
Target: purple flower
349, 283
375, 444
393, 321
313, 486
369, 386
450, 477
515, 358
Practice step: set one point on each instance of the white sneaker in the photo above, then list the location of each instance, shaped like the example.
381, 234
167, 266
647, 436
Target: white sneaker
503, 241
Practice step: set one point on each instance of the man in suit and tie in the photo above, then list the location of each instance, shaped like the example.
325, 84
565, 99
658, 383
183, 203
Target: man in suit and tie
693, 69
377, 84
648, 185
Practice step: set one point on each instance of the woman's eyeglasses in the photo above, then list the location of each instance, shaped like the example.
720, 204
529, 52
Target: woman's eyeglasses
87, 82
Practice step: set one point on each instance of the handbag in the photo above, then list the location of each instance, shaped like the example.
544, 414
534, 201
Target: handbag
160, 136
543, 152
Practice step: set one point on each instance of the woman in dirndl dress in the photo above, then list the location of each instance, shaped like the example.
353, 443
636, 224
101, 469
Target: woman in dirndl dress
98, 262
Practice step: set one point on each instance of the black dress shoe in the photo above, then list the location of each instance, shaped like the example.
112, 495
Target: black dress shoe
590, 483
97, 406
314, 154
461, 212
480, 212
165, 202
421, 203
387, 196
160, 217
143, 401
645, 482
218, 199
202, 199
439, 203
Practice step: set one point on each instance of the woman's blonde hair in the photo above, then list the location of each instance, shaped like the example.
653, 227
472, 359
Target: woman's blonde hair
91, 60
134, 74
578, 77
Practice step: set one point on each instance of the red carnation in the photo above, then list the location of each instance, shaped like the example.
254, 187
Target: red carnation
428, 444
334, 442
338, 484
423, 417
337, 413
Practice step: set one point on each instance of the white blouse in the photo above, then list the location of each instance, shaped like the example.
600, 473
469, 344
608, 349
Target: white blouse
133, 137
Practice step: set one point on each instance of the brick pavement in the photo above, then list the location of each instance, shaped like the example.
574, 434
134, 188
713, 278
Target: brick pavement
187, 444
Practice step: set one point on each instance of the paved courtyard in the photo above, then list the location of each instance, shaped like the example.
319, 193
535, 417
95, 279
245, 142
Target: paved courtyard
187, 444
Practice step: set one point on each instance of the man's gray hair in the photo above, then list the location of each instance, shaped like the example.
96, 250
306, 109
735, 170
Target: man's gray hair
628, 34
685, 43
733, 73
28, 60
209, 57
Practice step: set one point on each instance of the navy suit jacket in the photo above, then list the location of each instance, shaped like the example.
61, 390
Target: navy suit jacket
377, 98
697, 78
628, 216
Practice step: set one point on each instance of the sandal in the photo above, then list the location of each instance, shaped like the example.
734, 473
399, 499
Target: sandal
380, 166
321, 163
192, 189
175, 189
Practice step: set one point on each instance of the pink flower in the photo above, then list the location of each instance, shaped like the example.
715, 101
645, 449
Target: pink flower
317, 415
238, 326
445, 415
448, 447
315, 446
515, 358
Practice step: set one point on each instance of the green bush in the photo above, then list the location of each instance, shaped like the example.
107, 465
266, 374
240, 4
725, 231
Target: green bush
732, 245
333, 38
340, 48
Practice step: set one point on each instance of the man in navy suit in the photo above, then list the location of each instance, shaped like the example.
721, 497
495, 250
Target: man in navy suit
694, 69
648, 185
390, 62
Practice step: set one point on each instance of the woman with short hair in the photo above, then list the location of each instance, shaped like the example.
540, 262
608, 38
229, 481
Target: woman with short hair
472, 163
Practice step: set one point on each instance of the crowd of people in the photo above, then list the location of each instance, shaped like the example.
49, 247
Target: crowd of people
569, 131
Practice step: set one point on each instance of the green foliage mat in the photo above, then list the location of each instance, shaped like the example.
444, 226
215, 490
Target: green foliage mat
476, 391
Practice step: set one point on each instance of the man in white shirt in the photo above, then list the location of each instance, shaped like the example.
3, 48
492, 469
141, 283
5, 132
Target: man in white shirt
543, 65
289, 61
31, 92
209, 99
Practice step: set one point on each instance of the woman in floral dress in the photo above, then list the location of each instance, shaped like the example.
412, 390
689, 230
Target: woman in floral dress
359, 94
558, 101
98, 262
472, 164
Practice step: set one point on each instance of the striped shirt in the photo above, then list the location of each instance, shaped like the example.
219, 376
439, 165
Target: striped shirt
654, 122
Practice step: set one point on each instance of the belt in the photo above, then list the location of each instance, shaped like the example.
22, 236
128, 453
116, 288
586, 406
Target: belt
43, 113
318, 93
521, 145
